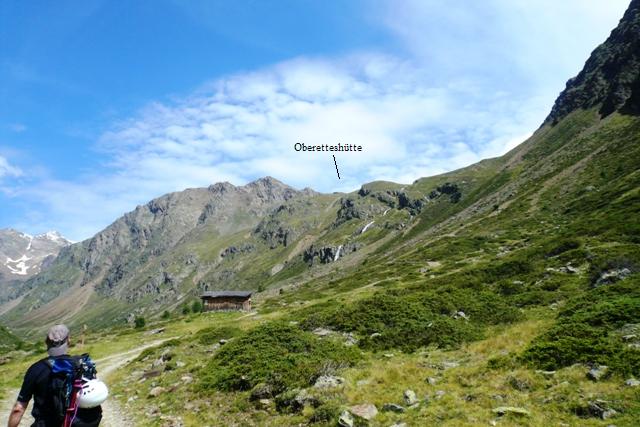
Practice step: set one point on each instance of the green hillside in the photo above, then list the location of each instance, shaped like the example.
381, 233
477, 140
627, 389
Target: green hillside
8, 341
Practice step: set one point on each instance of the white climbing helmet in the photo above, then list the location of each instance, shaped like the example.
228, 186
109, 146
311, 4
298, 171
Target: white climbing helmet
93, 393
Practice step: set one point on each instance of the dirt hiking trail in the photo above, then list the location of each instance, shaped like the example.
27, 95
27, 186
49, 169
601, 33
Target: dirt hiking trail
112, 414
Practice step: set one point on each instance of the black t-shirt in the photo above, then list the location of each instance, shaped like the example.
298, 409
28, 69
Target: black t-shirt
36, 385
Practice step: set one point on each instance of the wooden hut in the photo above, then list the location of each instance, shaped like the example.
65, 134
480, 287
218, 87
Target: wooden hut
226, 300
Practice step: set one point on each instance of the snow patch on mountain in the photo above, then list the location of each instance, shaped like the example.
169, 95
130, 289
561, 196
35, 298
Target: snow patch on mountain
20, 267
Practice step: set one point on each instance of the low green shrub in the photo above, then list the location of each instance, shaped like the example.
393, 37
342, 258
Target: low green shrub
212, 335
325, 413
139, 322
196, 306
564, 245
278, 354
585, 331
410, 320
9, 341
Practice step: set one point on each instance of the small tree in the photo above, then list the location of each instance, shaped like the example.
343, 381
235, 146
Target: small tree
185, 309
196, 307
166, 315
139, 322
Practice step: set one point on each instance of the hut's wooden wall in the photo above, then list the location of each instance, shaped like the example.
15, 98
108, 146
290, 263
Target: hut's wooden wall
226, 304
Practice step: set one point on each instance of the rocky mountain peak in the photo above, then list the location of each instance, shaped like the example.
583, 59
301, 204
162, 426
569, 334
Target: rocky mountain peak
610, 78
270, 189
23, 255
221, 187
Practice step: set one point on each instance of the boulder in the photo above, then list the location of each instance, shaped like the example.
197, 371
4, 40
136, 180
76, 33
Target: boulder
393, 407
440, 393
410, 398
349, 339
304, 398
346, 419
460, 315
448, 365
432, 381
296, 400
150, 374
264, 404
322, 332
364, 413
600, 409
632, 382
328, 381
261, 391
597, 372
611, 276
187, 379
156, 391
504, 410
158, 363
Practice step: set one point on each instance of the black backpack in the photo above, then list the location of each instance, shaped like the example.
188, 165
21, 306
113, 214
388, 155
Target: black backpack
64, 372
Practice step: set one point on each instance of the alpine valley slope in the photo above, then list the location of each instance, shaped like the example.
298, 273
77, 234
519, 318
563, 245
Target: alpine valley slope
577, 177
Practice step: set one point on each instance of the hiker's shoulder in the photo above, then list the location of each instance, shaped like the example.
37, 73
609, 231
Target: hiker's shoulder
38, 366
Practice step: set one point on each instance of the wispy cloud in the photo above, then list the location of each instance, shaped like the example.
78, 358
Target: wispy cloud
245, 126
17, 127
8, 170
463, 92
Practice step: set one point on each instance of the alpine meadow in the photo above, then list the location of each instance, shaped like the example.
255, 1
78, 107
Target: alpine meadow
504, 293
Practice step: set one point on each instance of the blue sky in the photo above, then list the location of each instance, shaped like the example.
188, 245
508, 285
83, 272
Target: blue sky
107, 104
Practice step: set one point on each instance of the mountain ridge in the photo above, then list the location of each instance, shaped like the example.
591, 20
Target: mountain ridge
266, 234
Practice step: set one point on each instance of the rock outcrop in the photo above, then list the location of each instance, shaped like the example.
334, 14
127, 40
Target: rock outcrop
610, 78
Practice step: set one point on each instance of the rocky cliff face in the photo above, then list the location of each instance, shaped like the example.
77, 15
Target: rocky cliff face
611, 76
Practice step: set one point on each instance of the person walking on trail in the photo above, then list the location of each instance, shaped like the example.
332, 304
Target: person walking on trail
64, 389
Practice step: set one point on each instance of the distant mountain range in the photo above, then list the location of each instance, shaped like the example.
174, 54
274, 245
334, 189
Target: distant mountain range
266, 236
23, 256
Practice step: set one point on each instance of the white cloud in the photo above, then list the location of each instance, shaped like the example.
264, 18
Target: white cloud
8, 170
477, 81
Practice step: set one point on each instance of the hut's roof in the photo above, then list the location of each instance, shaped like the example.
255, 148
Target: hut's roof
219, 294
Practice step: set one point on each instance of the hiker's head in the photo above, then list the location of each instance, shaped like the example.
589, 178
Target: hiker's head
57, 340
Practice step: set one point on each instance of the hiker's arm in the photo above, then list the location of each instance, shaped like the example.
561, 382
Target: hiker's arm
16, 414
24, 396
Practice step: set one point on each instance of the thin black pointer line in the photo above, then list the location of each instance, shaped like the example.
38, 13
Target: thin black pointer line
336, 163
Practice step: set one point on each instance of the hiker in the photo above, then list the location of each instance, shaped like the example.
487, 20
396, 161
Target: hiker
64, 389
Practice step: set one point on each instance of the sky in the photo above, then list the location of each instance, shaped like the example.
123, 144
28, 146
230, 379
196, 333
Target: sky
105, 105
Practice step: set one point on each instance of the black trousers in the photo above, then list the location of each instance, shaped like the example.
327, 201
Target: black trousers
84, 418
